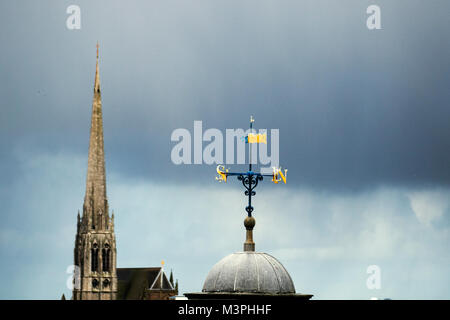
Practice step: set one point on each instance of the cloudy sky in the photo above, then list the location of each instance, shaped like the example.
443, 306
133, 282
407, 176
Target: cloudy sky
364, 120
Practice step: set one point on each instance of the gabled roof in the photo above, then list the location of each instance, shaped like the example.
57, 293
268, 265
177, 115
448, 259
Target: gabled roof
133, 282
161, 283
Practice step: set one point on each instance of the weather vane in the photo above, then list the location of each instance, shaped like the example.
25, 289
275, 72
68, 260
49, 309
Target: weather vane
250, 180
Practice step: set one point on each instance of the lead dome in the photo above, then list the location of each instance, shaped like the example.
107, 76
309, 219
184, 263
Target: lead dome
249, 272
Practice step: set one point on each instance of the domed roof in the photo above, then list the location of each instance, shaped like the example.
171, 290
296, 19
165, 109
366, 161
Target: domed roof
249, 272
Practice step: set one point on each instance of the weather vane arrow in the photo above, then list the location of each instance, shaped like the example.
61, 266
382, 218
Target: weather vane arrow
250, 180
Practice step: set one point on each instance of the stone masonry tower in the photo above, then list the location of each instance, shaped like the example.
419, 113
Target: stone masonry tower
95, 241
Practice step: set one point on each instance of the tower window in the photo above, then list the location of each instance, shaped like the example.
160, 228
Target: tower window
106, 258
94, 258
95, 283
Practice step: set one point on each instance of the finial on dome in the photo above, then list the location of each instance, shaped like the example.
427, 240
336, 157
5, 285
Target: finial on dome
249, 224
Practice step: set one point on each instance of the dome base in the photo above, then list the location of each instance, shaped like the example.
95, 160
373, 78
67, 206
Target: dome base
247, 296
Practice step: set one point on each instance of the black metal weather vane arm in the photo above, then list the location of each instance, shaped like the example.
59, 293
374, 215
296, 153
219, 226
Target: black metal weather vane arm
250, 179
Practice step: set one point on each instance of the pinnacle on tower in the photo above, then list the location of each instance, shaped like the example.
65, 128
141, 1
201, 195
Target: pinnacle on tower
171, 278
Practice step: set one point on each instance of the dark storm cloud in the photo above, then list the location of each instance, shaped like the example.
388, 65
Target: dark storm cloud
355, 108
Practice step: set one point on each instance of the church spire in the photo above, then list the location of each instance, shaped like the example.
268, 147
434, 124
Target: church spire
95, 208
95, 252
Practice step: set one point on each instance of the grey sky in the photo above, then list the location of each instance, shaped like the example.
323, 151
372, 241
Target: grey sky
364, 131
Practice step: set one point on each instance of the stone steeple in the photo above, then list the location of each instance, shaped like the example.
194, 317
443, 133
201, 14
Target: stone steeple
95, 200
95, 242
